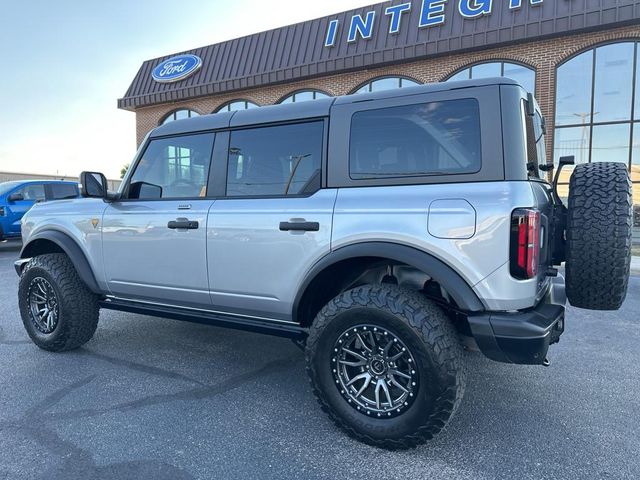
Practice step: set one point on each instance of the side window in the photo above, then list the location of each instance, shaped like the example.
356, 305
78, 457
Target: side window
176, 167
536, 147
274, 161
437, 138
33, 192
59, 191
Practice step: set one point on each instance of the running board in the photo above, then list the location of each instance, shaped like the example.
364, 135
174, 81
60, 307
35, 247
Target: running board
250, 324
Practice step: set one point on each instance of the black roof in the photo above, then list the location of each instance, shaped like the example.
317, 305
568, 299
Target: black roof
309, 109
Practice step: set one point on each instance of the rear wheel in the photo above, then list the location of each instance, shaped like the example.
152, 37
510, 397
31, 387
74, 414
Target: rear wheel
386, 365
58, 311
599, 223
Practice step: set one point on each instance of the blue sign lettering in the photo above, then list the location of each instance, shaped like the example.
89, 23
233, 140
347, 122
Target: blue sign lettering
432, 13
475, 8
176, 68
396, 14
362, 27
330, 41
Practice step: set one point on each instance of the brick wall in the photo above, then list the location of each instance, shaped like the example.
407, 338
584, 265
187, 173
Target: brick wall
542, 55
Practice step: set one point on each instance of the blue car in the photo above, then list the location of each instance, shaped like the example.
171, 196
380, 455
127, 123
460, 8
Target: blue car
16, 198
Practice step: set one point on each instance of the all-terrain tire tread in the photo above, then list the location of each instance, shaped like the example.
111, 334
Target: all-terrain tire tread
599, 227
433, 327
77, 303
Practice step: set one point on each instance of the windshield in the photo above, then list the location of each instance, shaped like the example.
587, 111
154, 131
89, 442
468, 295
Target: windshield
7, 186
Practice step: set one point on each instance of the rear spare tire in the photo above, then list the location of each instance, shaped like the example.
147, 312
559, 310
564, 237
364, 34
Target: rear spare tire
599, 222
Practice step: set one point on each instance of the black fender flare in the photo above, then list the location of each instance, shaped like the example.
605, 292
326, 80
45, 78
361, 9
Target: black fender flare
461, 292
71, 248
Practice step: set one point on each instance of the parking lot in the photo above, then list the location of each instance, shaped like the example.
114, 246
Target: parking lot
154, 398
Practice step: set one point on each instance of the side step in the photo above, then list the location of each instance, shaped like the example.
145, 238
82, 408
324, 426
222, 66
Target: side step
250, 324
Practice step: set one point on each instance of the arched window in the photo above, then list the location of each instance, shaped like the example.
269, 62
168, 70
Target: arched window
236, 105
386, 83
598, 106
304, 95
524, 75
598, 110
179, 115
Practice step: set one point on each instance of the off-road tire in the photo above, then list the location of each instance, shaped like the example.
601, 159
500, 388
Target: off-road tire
78, 306
599, 225
426, 331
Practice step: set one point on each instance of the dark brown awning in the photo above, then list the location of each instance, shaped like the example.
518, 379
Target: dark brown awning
298, 51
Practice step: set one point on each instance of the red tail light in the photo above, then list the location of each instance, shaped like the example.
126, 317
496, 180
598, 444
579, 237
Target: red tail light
525, 243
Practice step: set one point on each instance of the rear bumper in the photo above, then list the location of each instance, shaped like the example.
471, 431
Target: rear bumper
522, 337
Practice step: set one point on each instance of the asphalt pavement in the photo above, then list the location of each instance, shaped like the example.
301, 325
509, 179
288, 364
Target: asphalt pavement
162, 399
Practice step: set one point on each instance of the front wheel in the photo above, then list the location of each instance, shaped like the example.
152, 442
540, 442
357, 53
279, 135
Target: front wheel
386, 365
58, 311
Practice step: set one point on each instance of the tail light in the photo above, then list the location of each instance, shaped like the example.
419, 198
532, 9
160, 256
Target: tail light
525, 243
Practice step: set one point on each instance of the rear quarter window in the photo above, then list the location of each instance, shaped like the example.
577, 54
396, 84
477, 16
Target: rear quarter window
59, 191
436, 138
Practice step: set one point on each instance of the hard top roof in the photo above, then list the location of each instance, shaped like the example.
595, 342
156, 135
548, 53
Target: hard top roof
309, 109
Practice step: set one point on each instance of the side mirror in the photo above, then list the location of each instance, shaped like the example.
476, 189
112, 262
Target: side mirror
93, 185
145, 191
15, 197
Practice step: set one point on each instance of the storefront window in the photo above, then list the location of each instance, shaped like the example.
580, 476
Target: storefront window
236, 105
304, 96
179, 115
386, 83
598, 111
613, 83
594, 102
610, 143
524, 75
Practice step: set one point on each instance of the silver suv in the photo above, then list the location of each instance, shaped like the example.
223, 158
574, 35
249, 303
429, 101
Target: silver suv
384, 233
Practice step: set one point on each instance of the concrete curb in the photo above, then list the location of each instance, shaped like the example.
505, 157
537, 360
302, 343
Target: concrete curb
635, 264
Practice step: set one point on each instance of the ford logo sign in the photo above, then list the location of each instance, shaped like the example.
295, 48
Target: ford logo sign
176, 68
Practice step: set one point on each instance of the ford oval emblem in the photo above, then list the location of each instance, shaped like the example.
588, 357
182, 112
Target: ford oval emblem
176, 68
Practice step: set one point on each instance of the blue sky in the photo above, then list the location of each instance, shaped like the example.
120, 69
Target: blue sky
65, 63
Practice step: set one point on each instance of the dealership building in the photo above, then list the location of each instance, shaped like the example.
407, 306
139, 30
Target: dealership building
581, 58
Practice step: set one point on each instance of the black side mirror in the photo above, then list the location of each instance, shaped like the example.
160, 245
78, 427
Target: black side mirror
145, 191
16, 197
93, 185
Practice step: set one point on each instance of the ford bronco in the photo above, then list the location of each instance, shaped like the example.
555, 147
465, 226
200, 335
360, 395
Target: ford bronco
384, 233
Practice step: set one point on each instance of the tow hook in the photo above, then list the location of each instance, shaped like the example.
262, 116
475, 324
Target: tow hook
546, 362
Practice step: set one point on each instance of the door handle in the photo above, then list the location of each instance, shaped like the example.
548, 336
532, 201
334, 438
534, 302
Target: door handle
299, 226
183, 224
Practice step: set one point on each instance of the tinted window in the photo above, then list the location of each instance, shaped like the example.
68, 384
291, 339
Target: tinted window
59, 191
281, 160
413, 140
536, 149
7, 186
33, 192
175, 167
